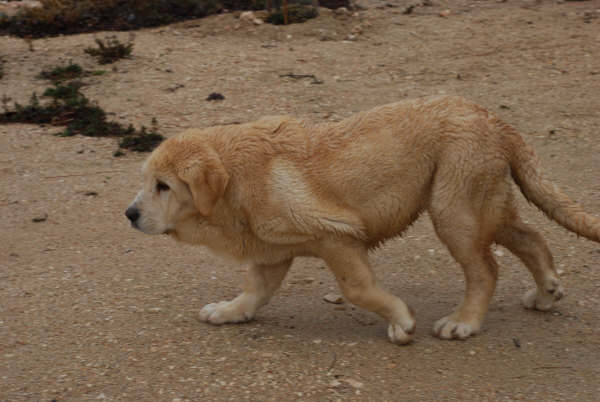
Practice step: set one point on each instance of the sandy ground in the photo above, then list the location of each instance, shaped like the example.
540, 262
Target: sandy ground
93, 310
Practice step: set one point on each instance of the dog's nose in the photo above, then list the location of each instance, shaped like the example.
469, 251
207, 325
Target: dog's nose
132, 214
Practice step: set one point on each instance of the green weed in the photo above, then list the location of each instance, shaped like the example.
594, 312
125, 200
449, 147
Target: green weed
64, 73
110, 49
296, 13
67, 106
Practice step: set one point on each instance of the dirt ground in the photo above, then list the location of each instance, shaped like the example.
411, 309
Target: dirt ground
91, 309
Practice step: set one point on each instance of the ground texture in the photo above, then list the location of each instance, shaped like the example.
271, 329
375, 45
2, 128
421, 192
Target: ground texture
93, 310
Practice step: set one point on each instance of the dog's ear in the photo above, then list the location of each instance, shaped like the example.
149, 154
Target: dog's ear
207, 179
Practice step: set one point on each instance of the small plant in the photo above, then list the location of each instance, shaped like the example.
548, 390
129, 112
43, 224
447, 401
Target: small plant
69, 107
110, 49
142, 141
68, 72
295, 14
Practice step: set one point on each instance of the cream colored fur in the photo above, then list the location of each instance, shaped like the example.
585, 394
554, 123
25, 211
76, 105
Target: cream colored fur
268, 191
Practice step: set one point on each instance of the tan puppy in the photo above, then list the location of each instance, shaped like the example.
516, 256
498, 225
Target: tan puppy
269, 191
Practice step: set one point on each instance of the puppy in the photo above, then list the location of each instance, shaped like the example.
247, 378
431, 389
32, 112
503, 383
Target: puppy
269, 191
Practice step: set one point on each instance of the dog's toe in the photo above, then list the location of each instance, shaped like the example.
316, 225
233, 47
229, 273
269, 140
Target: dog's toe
449, 328
224, 312
209, 313
401, 334
543, 300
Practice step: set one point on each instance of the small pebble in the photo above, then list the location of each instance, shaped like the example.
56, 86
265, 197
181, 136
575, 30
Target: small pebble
333, 298
353, 383
40, 218
215, 96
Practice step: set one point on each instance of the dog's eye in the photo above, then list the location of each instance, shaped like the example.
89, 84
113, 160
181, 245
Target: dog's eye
160, 186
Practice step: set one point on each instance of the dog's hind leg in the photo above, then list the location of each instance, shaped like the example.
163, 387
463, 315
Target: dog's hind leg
349, 262
530, 247
261, 283
472, 251
466, 217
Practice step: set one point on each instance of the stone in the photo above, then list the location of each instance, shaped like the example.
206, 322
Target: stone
333, 298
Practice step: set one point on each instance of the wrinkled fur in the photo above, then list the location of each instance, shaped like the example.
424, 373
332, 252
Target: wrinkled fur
268, 191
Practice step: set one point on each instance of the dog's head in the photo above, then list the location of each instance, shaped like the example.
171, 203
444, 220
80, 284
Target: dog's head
183, 177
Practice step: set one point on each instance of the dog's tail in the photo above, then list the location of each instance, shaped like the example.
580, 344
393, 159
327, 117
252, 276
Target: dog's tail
526, 172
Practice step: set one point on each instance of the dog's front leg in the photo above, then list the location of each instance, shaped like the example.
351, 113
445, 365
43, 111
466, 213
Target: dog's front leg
261, 282
349, 262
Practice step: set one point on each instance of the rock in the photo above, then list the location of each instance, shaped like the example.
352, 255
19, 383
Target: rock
247, 16
444, 13
358, 5
303, 281
257, 21
40, 218
215, 96
175, 87
409, 9
12, 8
353, 383
326, 35
333, 298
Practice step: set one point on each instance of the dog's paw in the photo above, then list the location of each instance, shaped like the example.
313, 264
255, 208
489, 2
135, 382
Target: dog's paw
400, 335
543, 299
402, 330
224, 312
450, 328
